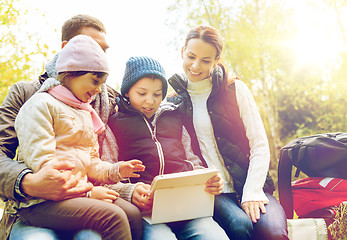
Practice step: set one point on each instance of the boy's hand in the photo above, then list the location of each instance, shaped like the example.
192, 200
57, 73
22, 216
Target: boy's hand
142, 197
103, 193
128, 168
214, 185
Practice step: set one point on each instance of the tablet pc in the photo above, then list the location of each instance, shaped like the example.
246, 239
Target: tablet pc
194, 177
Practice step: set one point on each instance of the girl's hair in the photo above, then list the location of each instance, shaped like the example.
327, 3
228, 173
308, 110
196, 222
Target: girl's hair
73, 26
63, 75
212, 36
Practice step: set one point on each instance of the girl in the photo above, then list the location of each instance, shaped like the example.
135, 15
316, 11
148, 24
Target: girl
151, 130
227, 131
58, 124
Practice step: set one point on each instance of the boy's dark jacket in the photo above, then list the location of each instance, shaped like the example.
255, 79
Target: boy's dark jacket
228, 128
157, 142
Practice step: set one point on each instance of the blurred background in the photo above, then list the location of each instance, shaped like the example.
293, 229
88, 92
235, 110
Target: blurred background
291, 54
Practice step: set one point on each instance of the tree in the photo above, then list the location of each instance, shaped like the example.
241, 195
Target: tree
16, 62
337, 5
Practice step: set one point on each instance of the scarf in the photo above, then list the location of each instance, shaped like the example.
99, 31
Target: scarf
66, 96
105, 107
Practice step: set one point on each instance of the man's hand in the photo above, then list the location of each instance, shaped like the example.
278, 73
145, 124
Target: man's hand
54, 182
104, 194
253, 208
142, 197
214, 185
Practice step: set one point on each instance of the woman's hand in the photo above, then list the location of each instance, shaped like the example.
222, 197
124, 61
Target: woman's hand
142, 197
103, 193
214, 185
128, 168
253, 208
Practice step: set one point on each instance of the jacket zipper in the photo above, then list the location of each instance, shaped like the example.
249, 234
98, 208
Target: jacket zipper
154, 138
159, 147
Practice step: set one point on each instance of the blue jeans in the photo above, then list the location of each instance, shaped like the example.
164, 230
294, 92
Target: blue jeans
237, 225
200, 228
20, 231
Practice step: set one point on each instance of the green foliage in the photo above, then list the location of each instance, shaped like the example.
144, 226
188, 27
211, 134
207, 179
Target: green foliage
8, 14
16, 62
338, 229
312, 104
337, 3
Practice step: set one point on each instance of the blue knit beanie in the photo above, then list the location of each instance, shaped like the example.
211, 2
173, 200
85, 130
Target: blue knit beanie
140, 67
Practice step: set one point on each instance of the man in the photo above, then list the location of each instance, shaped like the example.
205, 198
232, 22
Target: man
17, 181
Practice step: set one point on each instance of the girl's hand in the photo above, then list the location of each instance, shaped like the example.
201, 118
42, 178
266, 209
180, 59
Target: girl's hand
128, 168
253, 208
214, 185
103, 193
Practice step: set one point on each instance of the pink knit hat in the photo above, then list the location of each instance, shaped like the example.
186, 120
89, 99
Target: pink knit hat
82, 53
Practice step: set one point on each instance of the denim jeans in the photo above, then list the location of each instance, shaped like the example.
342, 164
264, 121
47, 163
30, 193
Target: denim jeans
20, 231
200, 228
237, 225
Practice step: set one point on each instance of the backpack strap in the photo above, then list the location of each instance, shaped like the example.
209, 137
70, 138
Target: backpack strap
284, 182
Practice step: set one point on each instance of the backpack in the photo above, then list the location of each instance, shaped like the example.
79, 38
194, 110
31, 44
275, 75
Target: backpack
321, 155
313, 193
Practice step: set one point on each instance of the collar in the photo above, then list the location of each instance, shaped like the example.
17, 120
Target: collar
200, 88
66, 96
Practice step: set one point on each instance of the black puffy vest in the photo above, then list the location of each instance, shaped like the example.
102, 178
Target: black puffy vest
135, 141
229, 131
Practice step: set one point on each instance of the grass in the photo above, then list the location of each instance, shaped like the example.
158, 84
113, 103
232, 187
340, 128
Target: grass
338, 229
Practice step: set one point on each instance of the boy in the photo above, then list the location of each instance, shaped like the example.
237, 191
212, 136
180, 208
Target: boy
151, 131
147, 129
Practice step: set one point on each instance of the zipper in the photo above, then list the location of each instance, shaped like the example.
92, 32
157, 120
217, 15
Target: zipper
153, 134
159, 147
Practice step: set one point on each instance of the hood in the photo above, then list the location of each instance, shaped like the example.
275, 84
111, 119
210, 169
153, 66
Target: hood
50, 67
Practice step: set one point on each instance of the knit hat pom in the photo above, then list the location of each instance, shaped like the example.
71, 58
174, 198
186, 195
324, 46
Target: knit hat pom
140, 67
82, 53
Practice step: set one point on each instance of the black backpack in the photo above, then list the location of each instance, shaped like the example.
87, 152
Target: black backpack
322, 155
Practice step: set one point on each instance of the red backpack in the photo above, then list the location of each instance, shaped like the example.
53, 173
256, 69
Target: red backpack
313, 193
321, 155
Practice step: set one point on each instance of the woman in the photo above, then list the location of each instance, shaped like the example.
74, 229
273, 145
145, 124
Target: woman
227, 131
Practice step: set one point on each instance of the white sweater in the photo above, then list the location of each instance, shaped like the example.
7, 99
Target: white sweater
258, 143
